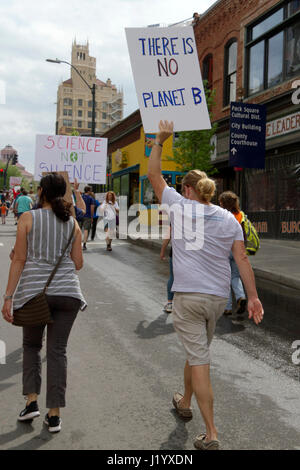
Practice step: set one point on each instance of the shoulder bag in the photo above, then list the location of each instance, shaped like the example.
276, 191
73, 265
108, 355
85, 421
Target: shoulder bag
36, 311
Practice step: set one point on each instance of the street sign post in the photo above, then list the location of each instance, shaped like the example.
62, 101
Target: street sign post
247, 135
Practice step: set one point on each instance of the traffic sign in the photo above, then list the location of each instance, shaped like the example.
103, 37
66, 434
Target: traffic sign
247, 135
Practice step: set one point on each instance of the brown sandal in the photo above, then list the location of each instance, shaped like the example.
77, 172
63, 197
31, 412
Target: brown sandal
201, 444
185, 413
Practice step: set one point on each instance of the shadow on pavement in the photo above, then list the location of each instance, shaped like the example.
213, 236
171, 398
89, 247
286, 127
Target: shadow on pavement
12, 367
178, 438
226, 326
26, 428
156, 328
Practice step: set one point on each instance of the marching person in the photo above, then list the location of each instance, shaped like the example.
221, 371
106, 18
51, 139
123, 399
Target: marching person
95, 216
230, 201
42, 234
109, 208
88, 216
23, 203
201, 279
4, 208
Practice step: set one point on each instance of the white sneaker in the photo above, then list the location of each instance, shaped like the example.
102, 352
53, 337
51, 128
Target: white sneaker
168, 307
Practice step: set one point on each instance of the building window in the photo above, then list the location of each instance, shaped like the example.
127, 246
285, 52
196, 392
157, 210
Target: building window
79, 123
207, 70
67, 123
89, 125
79, 102
230, 72
104, 105
103, 115
79, 113
273, 48
67, 112
90, 104
90, 114
293, 7
67, 102
80, 55
292, 50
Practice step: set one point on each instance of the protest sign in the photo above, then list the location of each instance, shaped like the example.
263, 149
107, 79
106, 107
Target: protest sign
167, 77
15, 181
83, 158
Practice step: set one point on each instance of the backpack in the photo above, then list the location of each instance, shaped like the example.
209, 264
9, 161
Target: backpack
251, 235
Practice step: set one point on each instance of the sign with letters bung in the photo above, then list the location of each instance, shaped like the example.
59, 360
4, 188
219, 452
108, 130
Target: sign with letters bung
167, 77
84, 158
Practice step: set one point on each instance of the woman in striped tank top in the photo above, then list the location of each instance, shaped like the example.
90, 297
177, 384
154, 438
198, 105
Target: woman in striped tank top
42, 235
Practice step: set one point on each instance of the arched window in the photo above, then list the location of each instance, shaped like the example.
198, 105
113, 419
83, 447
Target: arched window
207, 70
230, 72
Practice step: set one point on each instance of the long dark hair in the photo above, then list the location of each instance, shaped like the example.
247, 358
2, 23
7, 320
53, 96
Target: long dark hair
53, 187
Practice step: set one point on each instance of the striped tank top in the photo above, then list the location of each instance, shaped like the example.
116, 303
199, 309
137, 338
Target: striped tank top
45, 243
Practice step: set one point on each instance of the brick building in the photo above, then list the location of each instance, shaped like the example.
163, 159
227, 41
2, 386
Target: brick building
249, 50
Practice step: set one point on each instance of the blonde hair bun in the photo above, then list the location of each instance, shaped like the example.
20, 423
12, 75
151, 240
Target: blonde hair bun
206, 188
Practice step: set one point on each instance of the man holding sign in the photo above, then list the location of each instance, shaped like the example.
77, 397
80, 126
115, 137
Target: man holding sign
167, 77
202, 237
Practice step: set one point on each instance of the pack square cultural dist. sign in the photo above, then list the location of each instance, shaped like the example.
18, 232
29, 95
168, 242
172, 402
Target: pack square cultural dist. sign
167, 77
84, 158
247, 135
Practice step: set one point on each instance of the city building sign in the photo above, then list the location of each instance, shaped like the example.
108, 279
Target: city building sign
247, 135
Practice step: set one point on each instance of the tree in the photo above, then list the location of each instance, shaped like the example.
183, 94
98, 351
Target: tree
12, 170
193, 149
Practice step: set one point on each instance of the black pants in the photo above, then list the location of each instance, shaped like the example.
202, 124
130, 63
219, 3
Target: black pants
94, 226
64, 311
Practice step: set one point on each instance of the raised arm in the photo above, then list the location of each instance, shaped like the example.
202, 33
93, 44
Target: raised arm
154, 166
79, 201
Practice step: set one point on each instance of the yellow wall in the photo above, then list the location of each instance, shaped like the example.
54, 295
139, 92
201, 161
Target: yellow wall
135, 153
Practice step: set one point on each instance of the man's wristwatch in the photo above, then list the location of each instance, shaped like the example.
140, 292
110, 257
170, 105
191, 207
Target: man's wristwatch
158, 143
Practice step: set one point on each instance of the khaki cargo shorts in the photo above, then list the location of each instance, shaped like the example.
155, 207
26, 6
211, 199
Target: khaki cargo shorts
194, 317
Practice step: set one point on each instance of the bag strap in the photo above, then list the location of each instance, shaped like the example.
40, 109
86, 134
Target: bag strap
59, 261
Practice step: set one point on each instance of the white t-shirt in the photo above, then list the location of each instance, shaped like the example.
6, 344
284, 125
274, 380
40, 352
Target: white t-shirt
206, 269
109, 210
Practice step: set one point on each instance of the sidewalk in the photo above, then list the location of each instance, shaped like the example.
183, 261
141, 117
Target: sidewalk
277, 261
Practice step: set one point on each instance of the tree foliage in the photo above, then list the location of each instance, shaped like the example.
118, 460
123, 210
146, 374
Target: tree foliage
12, 170
193, 149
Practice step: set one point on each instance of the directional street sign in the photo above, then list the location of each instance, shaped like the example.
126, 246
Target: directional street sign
247, 135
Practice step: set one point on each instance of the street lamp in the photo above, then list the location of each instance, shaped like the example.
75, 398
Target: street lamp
92, 89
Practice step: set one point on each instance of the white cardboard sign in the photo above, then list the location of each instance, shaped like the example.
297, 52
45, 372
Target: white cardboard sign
84, 158
167, 77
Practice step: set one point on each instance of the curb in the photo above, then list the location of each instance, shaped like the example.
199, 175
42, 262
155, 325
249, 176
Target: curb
259, 273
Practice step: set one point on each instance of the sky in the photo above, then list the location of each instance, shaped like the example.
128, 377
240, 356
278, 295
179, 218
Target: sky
32, 31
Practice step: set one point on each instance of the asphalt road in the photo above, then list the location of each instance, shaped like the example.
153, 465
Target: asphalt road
125, 362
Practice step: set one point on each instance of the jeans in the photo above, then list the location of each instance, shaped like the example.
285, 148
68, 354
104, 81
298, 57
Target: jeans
236, 283
170, 281
64, 311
